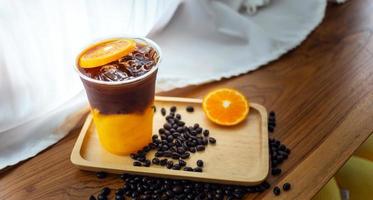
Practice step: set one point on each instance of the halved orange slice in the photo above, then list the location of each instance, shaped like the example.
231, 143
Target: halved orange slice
105, 52
225, 106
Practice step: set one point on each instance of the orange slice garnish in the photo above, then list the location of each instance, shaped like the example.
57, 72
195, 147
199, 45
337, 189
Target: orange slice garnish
105, 52
225, 106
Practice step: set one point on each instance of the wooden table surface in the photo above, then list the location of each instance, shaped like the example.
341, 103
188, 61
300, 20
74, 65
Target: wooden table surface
322, 92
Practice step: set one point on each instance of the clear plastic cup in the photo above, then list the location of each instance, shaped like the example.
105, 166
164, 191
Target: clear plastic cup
123, 110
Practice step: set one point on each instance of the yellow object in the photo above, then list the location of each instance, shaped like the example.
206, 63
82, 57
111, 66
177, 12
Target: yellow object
329, 192
106, 51
366, 149
124, 133
356, 176
225, 106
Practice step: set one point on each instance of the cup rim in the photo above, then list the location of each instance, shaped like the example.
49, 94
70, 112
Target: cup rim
154, 68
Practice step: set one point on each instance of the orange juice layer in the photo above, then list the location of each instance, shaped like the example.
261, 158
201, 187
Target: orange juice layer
124, 133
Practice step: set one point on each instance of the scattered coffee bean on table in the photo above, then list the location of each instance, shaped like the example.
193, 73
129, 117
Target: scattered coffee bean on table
276, 191
101, 175
92, 197
101, 197
276, 171
286, 186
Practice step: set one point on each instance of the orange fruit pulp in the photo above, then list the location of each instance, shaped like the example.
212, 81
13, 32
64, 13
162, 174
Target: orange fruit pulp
225, 106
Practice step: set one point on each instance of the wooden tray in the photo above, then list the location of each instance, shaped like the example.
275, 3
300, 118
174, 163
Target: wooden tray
240, 155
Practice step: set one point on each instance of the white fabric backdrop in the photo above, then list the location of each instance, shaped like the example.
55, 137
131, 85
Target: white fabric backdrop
204, 41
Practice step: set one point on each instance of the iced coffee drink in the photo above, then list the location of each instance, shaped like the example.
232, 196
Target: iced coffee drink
119, 78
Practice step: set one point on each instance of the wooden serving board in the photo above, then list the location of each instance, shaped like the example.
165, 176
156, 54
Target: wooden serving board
240, 155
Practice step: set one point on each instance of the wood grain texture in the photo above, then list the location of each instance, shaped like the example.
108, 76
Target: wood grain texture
321, 91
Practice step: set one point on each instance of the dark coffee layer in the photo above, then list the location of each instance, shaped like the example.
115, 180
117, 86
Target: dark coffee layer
123, 98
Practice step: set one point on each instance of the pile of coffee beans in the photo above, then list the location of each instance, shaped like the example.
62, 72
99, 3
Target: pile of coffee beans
278, 153
143, 187
175, 143
147, 188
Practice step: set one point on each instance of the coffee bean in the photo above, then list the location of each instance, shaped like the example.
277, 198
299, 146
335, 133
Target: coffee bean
180, 123
198, 169
169, 164
158, 154
170, 138
167, 154
176, 167
105, 191
185, 155
212, 140
163, 111
178, 116
272, 123
286, 186
173, 109
276, 171
188, 169
133, 156
205, 141
163, 162
119, 197
136, 163
276, 191
146, 149
92, 197
270, 129
177, 189
101, 197
192, 149
199, 130
154, 137
146, 163
196, 125
167, 126
200, 148
175, 155
101, 175
206, 133
179, 129
189, 109
120, 192
182, 163
165, 148
200, 163
141, 159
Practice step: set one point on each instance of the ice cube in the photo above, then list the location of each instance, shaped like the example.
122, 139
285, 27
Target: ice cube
112, 73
